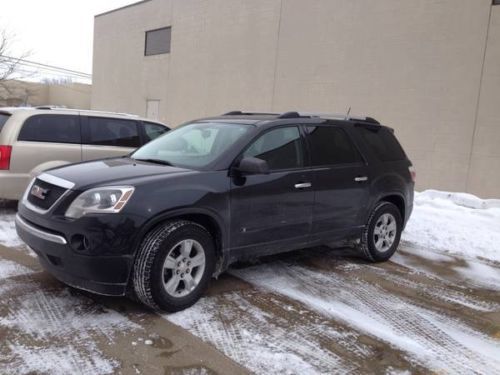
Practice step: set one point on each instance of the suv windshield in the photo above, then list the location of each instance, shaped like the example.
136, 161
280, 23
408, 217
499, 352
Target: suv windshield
3, 119
194, 145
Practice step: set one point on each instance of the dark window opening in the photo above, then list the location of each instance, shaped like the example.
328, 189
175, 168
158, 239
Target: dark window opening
51, 128
153, 131
158, 41
281, 148
3, 119
330, 146
383, 144
113, 132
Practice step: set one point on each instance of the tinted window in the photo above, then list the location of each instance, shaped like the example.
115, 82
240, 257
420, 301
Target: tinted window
153, 131
51, 128
3, 119
113, 132
330, 145
383, 143
281, 148
158, 41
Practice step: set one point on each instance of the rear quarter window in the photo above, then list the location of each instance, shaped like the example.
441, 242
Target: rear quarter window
153, 131
382, 143
3, 119
51, 128
112, 132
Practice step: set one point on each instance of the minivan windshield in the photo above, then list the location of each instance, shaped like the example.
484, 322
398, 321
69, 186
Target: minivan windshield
194, 145
3, 119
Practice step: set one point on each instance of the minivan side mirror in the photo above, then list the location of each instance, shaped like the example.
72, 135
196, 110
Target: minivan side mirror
250, 165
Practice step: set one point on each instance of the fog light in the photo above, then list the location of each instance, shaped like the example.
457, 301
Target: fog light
79, 242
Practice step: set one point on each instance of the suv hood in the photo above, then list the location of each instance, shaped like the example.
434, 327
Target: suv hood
113, 171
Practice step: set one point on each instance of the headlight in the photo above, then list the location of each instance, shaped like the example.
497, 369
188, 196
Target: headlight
110, 199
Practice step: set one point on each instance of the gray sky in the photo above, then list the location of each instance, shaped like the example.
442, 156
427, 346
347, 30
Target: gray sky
57, 32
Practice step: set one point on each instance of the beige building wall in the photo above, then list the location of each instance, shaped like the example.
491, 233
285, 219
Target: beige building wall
484, 173
416, 66
22, 93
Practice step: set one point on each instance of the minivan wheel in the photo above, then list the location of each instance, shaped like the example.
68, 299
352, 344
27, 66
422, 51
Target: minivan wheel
382, 233
174, 265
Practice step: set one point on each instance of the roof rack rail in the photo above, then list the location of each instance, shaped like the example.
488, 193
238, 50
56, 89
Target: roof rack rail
49, 107
340, 116
241, 113
295, 114
291, 114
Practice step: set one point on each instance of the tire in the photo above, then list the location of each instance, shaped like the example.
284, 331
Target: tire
154, 278
376, 244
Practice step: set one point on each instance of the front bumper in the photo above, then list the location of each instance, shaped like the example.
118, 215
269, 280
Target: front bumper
103, 267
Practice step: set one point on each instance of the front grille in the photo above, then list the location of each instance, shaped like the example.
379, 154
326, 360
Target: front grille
50, 192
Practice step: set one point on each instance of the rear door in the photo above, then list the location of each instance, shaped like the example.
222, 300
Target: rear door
271, 210
105, 137
46, 141
341, 188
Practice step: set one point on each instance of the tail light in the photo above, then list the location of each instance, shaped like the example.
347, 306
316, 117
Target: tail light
413, 173
5, 152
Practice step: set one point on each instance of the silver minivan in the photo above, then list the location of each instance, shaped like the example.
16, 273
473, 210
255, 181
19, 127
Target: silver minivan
33, 140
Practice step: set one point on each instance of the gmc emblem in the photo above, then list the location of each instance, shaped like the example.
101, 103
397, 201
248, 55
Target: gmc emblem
39, 192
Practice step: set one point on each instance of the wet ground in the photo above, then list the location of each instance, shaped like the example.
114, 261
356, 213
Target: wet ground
311, 311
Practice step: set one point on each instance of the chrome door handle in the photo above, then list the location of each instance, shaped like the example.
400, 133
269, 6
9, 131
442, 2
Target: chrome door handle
303, 185
361, 179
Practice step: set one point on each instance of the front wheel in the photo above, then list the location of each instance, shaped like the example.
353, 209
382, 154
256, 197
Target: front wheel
174, 266
382, 233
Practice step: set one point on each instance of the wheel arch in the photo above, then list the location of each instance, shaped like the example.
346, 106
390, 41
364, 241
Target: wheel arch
206, 218
398, 200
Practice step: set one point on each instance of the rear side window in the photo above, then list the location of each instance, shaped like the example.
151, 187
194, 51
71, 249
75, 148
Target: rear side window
112, 132
51, 128
3, 119
153, 131
382, 143
330, 145
281, 148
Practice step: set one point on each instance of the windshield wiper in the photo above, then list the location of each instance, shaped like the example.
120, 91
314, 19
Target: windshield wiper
156, 161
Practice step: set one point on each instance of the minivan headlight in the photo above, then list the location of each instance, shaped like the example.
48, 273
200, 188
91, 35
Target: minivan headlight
110, 199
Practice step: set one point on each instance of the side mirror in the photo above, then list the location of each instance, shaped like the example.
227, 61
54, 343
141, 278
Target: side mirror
252, 165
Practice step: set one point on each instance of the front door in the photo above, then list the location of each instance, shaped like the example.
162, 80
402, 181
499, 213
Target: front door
275, 209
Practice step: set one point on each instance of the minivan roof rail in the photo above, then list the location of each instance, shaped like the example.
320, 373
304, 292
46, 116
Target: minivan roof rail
294, 114
55, 107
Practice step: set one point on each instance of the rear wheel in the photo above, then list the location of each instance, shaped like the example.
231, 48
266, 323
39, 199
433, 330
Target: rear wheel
382, 233
174, 266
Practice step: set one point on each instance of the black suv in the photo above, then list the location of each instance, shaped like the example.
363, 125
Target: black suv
161, 222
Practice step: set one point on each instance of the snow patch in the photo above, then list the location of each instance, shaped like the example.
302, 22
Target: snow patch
58, 361
44, 315
54, 332
10, 269
426, 336
265, 344
8, 234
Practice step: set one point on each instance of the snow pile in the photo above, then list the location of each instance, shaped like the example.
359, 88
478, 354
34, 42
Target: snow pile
455, 223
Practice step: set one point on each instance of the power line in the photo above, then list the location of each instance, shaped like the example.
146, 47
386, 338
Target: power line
51, 67
53, 71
